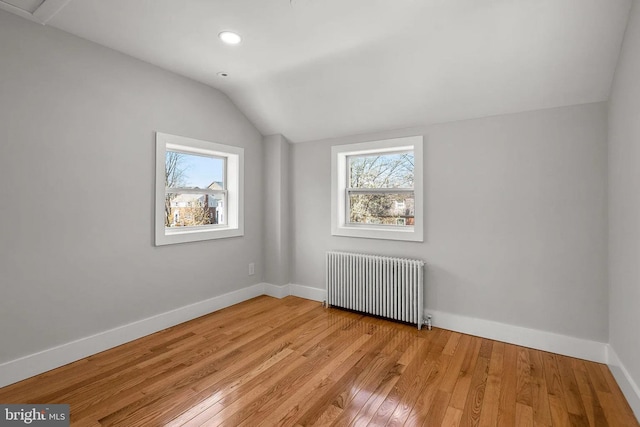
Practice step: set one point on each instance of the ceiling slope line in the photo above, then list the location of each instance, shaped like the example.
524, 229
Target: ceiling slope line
47, 10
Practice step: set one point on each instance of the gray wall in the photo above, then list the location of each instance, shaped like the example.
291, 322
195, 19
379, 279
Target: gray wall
77, 126
624, 202
276, 210
516, 218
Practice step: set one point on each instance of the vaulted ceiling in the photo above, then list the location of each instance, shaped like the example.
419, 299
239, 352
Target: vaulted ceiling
314, 69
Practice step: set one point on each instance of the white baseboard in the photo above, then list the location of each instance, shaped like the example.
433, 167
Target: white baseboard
533, 338
276, 291
37, 363
307, 292
628, 386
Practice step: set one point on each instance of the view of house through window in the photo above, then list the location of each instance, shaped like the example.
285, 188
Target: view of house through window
380, 189
195, 190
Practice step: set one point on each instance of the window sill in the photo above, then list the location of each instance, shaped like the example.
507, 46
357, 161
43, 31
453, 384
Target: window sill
409, 234
194, 235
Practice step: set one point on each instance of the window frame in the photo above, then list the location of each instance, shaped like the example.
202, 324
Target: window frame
340, 225
233, 200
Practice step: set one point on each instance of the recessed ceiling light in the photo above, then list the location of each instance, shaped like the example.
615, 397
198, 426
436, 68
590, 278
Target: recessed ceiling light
222, 74
230, 37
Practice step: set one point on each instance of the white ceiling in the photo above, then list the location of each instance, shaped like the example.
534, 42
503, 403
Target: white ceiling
313, 69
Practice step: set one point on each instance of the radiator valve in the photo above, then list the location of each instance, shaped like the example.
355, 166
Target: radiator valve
428, 322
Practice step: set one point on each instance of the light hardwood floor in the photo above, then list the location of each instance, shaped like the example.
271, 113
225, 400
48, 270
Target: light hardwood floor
268, 362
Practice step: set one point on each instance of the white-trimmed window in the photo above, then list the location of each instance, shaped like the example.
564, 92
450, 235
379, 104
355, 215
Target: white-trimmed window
199, 190
377, 189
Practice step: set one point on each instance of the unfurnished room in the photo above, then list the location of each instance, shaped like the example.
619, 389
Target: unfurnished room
320, 213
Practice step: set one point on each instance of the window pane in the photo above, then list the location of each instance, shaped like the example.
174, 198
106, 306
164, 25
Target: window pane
193, 171
189, 210
385, 209
394, 170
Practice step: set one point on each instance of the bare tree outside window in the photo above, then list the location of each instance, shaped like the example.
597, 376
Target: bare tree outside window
174, 173
186, 209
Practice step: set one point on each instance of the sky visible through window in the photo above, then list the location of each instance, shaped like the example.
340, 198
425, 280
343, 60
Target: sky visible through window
200, 171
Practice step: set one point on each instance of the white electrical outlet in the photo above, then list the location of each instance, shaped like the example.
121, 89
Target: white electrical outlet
252, 269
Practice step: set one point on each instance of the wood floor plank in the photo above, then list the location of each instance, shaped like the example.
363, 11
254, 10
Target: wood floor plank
597, 377
452, 417
616, 411
408, 350
570, 389
353, 400
594, 411
416, 400
615, 415
623, 405
475, 397
458, 359
386, 410
491, 403
523, 384
524, 415
452, 344
427, 398
406, 393
438, 409
463, 383
539, 393
557, 403
507, 406
292, 362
